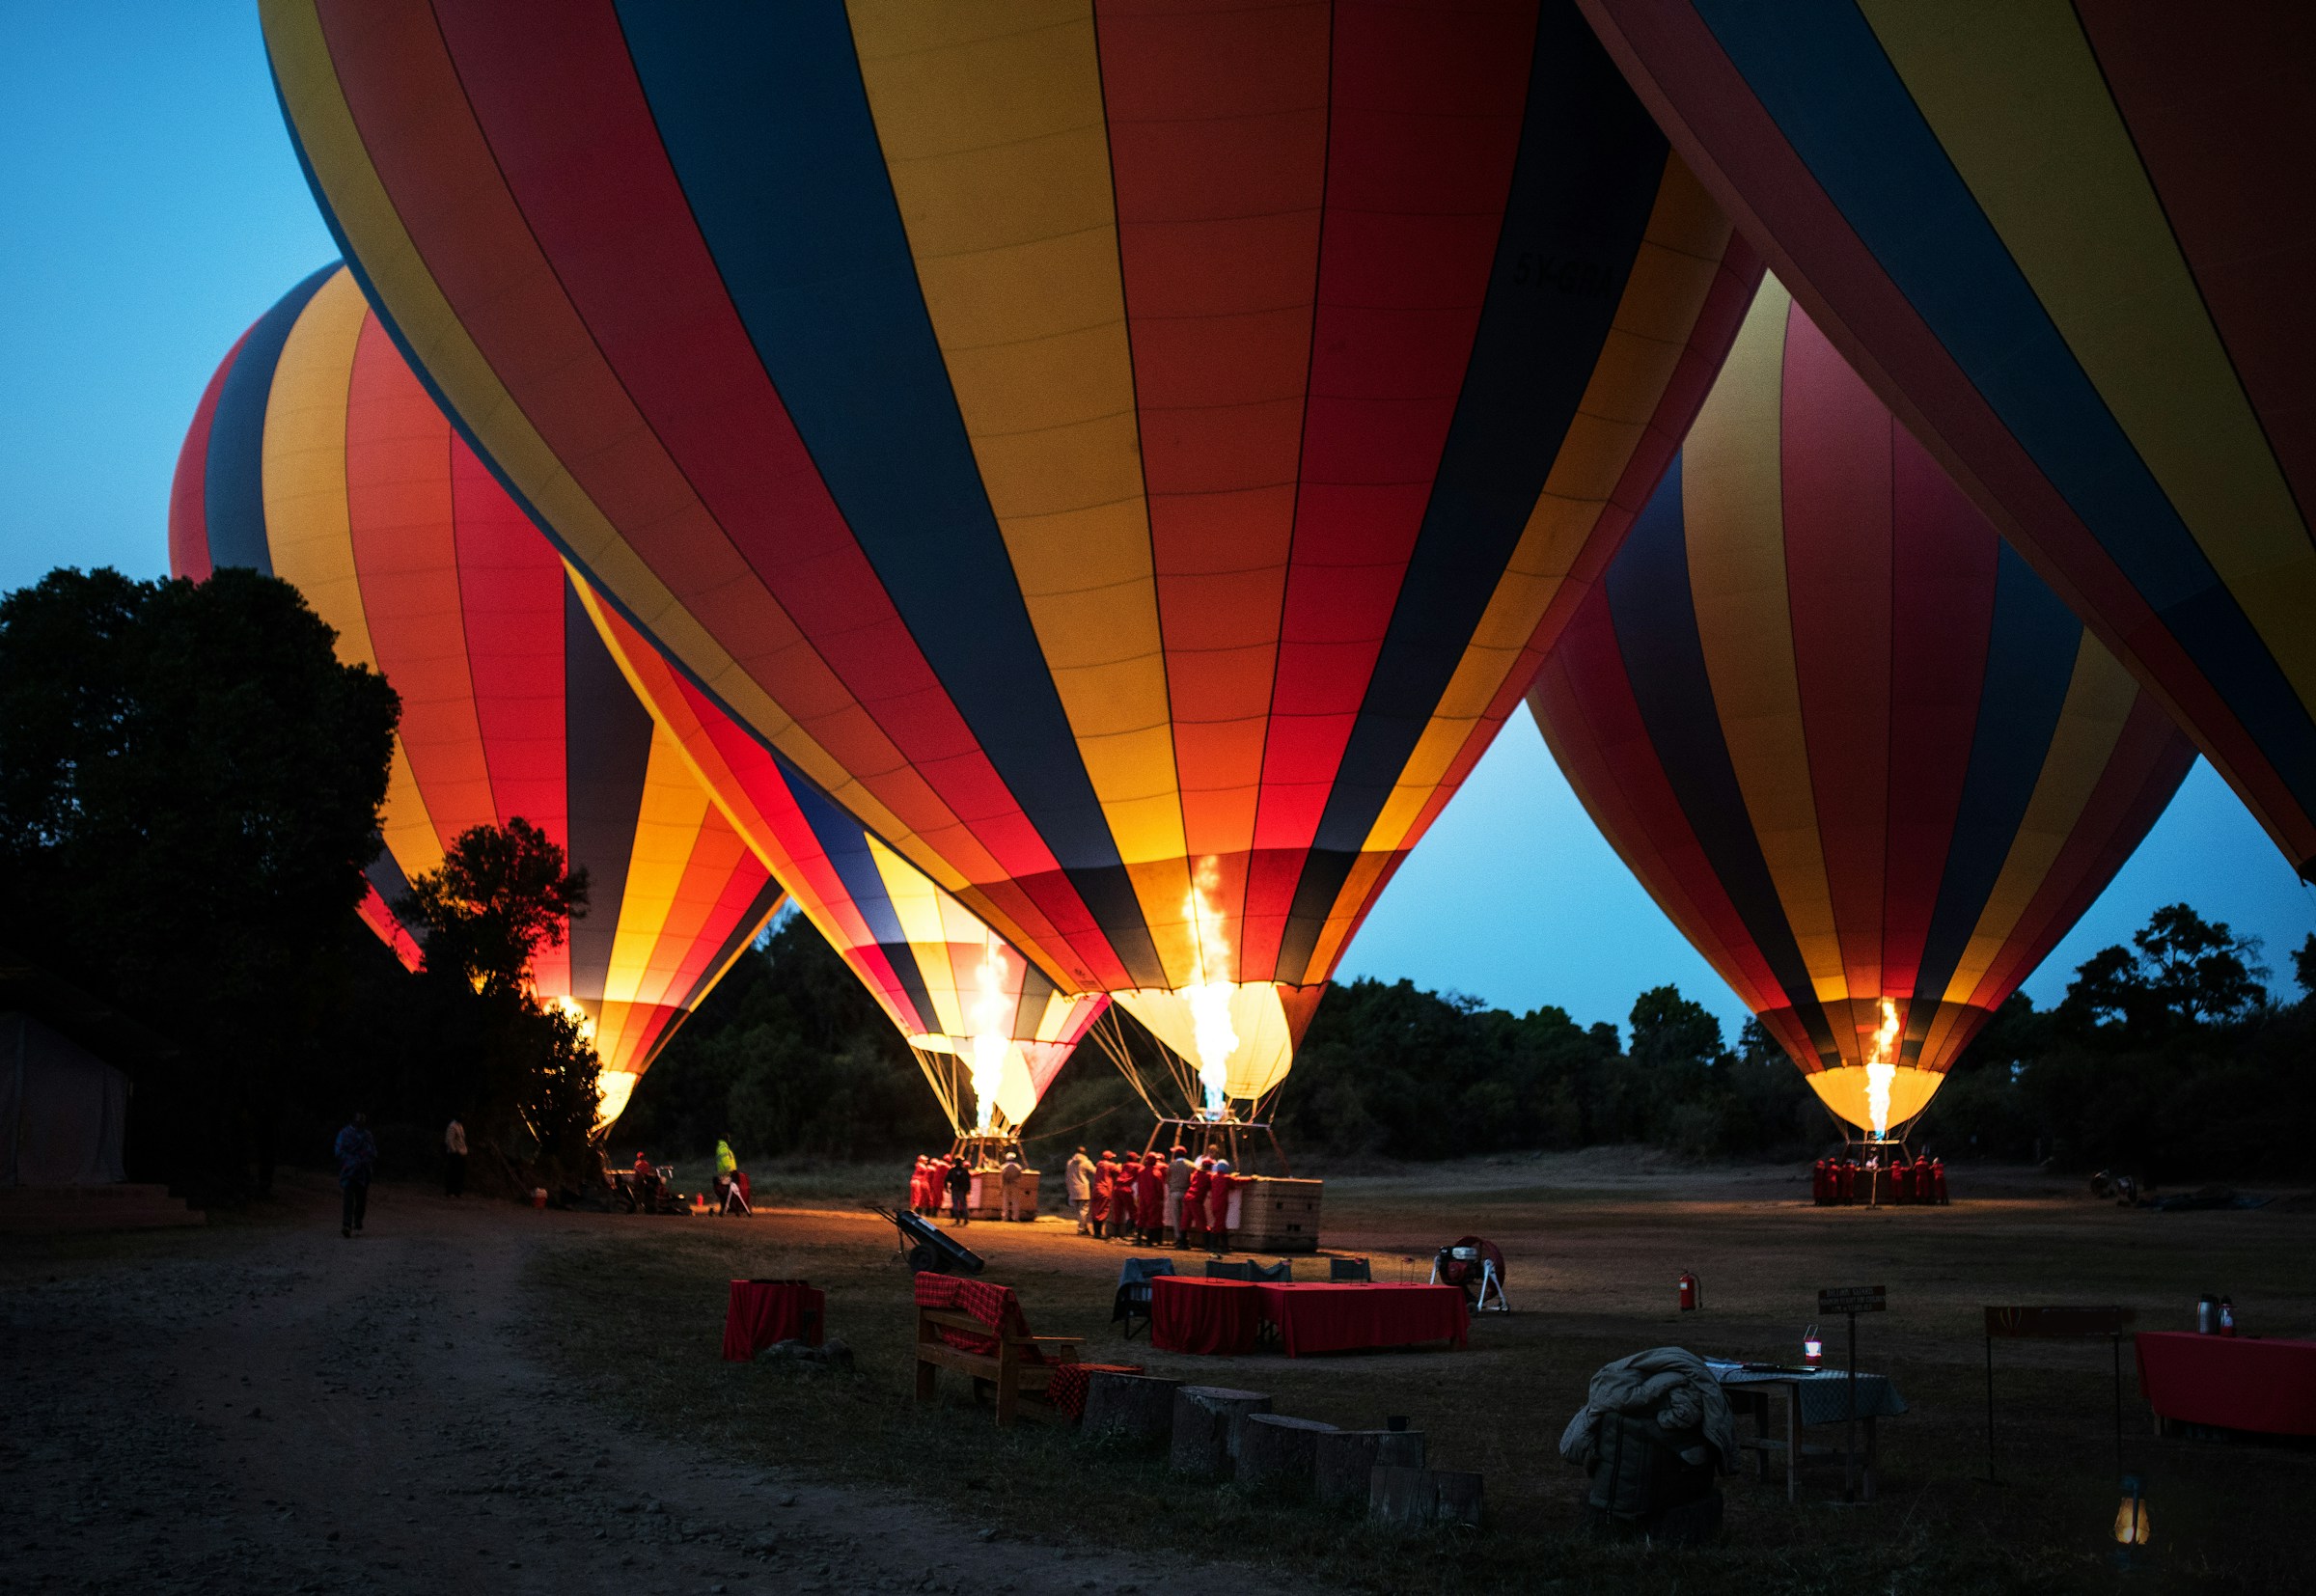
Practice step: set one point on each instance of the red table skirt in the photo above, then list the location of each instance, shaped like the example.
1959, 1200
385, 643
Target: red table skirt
1191, 1314
2229, 1381
1066, 1387
1354, 1317
764, 1311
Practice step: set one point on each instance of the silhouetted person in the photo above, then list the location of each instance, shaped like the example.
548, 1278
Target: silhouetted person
960, 1193
357, 1156
454, 1160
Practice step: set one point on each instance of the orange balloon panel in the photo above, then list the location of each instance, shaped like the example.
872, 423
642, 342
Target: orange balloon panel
316, 456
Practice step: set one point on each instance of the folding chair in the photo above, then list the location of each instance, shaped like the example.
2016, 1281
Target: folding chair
1133, 1299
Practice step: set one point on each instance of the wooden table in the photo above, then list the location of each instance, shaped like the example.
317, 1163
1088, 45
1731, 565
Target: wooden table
1826, 1389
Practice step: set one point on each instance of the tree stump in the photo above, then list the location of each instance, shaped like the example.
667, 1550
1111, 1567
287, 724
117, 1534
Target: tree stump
1342, 1460
1206, 1427
1139, 1407
1401, 1497
1277, 1453
1411, 1498
1455, 1497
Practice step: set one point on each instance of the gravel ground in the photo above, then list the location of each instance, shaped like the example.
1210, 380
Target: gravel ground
266, 1407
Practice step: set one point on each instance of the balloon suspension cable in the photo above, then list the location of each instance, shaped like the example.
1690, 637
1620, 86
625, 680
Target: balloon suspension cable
941, 1074
1110, 1035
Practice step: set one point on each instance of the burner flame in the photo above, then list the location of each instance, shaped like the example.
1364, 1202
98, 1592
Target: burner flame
1209, 992
991, 1041
1882, 1069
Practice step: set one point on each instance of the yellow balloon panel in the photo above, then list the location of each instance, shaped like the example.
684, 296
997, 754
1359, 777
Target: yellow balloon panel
1847, 1092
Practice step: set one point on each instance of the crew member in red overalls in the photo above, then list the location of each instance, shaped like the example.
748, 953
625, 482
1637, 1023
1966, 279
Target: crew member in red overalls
1817, 1183
1194, 1203
1218, 1207
1122, 1199
1105, 1189
1149, 1198
1849, 1180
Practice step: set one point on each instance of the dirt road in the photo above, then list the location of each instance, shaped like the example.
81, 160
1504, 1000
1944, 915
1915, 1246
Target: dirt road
271, 1408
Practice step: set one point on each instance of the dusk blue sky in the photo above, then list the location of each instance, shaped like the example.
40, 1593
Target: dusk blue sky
152, 209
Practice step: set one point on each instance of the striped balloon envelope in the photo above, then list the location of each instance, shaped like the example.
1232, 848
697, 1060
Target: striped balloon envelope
2071, 244
1131, 459
987, 1027
1851, 744
317, 456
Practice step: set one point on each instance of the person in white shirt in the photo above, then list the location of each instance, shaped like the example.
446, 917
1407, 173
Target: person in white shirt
1077, 1184
454, 1160
1010, 1183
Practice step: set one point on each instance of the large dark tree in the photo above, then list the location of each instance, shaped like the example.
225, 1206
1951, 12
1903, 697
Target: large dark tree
522, 1075
189, 790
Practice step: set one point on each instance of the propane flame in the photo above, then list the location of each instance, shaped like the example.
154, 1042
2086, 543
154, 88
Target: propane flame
1209, 993
1882, 1069
990, 1041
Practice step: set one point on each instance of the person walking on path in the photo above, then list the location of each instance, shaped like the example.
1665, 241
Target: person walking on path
357, 1153
453, 1159
960, 1194
1077, 1185
1010, 1182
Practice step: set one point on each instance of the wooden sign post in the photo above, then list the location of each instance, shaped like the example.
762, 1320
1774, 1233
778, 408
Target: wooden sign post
1852, 1300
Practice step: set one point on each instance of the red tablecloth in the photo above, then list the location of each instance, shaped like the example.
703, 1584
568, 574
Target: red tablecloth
1191, 1314
2229, 1381
1066, 1387
1351, 1317
761, 1312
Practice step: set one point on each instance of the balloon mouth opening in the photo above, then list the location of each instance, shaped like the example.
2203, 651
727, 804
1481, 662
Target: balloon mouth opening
616, 1087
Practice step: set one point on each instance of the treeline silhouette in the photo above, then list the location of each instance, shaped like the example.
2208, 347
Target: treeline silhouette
2167, 1058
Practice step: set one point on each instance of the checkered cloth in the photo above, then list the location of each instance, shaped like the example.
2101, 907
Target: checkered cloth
1824, 1392
1066, 1386
994, 1306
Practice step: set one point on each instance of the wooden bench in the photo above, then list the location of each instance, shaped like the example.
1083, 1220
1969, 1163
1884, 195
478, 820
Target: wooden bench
1021, 1364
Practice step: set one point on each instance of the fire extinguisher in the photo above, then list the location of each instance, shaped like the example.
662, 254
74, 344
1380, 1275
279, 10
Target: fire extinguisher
1692, 1295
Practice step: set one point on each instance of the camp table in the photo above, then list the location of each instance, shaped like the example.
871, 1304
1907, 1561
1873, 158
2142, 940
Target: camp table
1813, 1396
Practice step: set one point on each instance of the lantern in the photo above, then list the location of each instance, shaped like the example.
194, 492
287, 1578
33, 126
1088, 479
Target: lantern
2132, 1527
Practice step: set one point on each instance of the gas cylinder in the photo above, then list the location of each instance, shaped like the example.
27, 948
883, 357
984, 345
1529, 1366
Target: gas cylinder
1691, 1296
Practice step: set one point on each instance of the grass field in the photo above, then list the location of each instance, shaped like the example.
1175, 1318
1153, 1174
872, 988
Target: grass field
1594, 1243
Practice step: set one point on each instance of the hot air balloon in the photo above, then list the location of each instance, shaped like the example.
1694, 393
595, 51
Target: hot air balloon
2069, 244
976, 1013
1854, 747
1134, 471
317, 456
